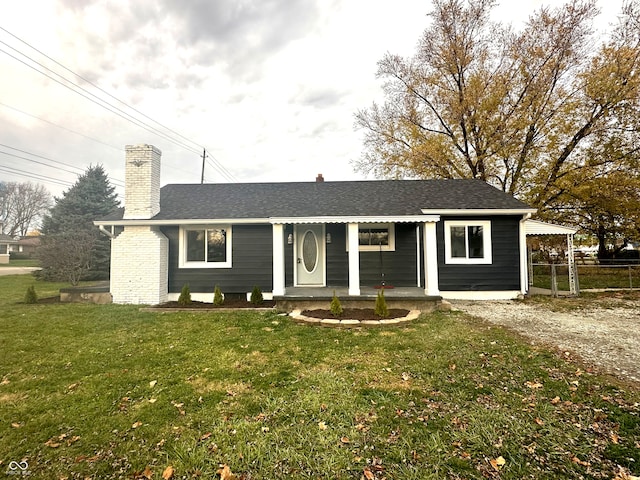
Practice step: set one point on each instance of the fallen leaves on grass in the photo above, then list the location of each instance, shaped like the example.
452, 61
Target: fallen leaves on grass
498, 463
533, 385
226, 474
168, 473
57, 441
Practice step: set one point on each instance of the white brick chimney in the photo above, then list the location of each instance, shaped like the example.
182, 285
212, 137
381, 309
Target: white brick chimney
142, 182
139, 255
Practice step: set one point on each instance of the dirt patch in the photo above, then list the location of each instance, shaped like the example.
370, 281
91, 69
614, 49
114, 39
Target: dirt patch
356, 314
603, 332
230, 303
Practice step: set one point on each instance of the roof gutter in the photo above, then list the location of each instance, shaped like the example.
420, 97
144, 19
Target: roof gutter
106, 232
479, 211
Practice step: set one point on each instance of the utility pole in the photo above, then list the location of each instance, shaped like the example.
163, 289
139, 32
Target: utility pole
204, 157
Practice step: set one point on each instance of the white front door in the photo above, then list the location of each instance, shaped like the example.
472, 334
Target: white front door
310, 255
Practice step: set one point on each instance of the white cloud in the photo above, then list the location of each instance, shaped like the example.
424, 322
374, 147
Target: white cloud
269, 87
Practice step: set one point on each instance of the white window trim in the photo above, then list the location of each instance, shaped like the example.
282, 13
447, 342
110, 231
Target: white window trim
486, 242
376, 248
182, 248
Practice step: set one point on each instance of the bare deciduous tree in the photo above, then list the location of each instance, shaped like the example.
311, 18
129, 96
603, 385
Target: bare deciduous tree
21, 205
66, 256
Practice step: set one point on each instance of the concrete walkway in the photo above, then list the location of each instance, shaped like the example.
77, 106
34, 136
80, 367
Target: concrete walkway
17, 270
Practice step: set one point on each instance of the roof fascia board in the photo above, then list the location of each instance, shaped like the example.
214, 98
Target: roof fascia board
358, 219
277, 220
184, 221
479, 211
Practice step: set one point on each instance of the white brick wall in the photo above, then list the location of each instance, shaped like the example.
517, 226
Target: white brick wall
139, 266
142, 182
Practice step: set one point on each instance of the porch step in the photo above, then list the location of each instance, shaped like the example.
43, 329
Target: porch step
297, 301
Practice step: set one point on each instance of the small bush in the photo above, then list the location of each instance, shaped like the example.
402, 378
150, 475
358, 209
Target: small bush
218, 299
185, 296
381, 309
31, 296
256, 296
336, 306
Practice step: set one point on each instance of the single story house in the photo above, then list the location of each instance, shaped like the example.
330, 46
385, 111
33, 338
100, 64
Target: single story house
441, 238
6, 243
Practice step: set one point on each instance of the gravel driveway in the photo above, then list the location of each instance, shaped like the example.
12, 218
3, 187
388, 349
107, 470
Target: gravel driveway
605, 334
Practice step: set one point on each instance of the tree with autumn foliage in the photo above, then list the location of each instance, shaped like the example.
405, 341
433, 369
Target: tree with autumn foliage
522, 110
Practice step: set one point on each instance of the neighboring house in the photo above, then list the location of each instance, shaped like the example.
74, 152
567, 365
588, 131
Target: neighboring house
6, 243
448, 238
26, 246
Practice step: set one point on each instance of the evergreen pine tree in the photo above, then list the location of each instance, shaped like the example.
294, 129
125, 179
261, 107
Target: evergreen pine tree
91, 197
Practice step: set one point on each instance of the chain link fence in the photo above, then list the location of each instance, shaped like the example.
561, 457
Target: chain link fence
555, 277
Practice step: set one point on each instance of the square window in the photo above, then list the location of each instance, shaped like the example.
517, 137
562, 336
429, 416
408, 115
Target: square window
375, 237
208, 247
468, 242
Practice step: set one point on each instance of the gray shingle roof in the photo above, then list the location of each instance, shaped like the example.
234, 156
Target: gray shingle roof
311, 199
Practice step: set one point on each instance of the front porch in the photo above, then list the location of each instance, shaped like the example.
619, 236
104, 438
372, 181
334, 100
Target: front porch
309, 298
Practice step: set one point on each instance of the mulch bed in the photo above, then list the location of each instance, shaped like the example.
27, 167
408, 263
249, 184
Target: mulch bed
228, 303
356, 314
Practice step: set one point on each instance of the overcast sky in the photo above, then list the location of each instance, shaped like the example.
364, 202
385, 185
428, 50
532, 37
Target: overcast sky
269, 87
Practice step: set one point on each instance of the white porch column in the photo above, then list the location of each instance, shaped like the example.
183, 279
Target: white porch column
431, 260
524, 257
354, 260
278, 259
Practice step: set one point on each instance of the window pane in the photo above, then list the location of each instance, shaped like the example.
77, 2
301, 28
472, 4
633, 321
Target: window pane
216, 245
379, 236
476, 243
458, 248
195, 246
364, 237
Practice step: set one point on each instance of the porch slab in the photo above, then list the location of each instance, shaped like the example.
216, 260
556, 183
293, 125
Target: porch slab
310, 298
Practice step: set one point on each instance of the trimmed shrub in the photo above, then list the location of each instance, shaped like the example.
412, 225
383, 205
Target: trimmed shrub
336, 306
381, 309
185, 296
31, 296
256, 296
218, 299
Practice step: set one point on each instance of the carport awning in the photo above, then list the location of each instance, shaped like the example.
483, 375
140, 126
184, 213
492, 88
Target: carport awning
536, 227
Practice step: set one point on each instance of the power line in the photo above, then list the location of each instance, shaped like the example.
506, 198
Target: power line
80, 170
99, 88
219, 170
74, 87
97, 100
60, 126
120, 149
44, 178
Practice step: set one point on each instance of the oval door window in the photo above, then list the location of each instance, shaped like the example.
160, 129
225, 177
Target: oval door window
309, 251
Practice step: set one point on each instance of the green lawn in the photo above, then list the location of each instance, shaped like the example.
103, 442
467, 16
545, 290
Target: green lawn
110, 392
590, 276
21, 263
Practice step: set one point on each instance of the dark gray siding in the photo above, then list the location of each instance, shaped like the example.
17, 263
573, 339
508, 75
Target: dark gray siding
399, 266
502, 274
337, 256
252, 260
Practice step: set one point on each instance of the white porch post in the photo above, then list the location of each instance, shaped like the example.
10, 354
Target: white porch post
278, 259
431, 286
354, 260
524, 254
